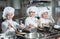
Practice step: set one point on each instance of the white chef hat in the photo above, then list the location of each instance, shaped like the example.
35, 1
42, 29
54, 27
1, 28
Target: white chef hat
32, 8
42, 10
8, 10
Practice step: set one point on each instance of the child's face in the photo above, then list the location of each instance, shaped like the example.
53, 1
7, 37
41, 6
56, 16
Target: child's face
9, 16
45, 14
32, 14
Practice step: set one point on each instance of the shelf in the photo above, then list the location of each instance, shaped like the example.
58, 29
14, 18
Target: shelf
3, 3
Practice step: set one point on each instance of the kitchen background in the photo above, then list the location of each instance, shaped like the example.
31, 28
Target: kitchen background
21, 6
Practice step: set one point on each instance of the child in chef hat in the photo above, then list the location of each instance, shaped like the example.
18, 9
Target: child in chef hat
9, 26
32, 8
31, 21
8, 10
44, 21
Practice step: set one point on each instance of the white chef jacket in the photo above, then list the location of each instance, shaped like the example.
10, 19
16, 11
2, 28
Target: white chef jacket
31, 20
44, 21
5, 26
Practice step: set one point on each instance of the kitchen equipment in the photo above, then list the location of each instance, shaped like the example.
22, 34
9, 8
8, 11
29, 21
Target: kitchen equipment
32, 35
2, 36
57, 26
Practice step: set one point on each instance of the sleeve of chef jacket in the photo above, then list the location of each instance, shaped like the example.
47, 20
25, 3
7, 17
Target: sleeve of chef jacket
4, 27
27, 22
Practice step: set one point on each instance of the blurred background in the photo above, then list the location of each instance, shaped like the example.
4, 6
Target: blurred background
21, 6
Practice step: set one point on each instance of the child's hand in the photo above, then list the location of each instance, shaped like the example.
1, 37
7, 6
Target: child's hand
9, 26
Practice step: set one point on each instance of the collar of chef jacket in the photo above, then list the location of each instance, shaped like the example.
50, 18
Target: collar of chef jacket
44, 20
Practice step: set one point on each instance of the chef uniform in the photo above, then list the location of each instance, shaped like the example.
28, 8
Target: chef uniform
9, 32
31, 20
44, 22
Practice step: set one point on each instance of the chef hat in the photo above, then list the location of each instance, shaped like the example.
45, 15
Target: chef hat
8, 10
32, 8
42, 10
